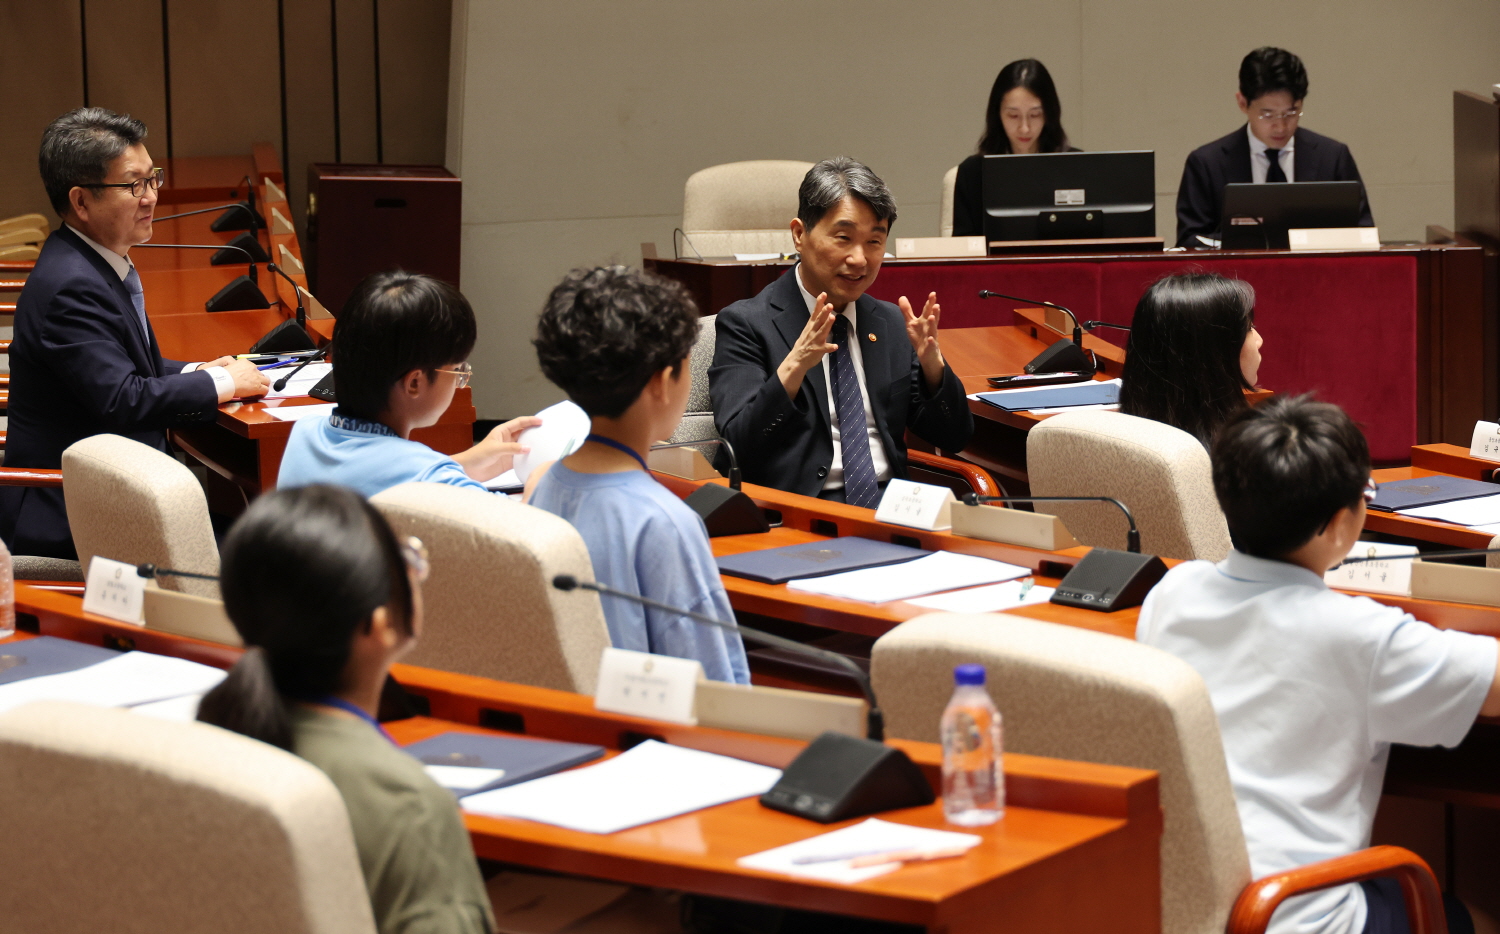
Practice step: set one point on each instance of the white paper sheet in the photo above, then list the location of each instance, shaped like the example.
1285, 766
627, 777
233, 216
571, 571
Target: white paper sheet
562, 431
651, 782
505, 480
1482, 510
295, 413
127, 680
462, 777
298, 385
990, 599
755, 257
874, 835
945, 570
177, 709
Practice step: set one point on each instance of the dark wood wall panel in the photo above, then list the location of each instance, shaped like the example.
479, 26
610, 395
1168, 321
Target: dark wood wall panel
43, 68
225, 61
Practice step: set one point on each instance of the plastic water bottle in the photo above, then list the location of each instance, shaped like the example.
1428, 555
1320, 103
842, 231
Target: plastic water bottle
973, 777
7, 594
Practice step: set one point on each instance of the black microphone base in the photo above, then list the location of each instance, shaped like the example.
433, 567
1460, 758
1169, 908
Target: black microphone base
726, 511
238, 217
245, 241
285, 337
1062, 357
838, 777
1107, 580
240, 295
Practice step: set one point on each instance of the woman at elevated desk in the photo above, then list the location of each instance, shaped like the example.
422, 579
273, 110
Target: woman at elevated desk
1023, 116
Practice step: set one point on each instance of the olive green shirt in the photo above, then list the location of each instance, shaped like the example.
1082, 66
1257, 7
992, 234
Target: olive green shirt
418, 863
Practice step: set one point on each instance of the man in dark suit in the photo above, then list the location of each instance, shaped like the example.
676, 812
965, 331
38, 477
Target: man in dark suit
814, 382
84, 360
1270, 148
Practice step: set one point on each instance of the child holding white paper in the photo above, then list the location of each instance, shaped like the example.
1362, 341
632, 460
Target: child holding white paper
400, 352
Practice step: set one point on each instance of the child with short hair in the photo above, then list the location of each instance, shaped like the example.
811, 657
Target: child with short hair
1311, 686
400, 352
617, 340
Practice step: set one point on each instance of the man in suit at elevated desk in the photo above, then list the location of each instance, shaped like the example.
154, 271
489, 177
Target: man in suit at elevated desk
814, 382
1272, 147
84, 360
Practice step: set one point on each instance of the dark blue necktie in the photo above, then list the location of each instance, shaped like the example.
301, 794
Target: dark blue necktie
1273, 171
138, 298
860, 486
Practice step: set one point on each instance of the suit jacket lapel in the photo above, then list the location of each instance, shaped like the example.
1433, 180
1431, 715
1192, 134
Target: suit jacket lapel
137, 343
875, 343
790, 318
1239, 159
1304, 161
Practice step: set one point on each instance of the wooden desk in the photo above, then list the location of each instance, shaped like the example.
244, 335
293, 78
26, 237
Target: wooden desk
1077, 850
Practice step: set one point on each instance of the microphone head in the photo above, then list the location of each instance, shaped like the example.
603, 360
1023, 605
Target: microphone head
984, 293
971, 499
147, 570
565, 582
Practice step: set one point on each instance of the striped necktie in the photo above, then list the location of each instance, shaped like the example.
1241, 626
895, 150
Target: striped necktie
860, 486
138, 298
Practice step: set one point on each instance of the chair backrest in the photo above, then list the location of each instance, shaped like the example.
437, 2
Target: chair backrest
114, 821
1161, 473
1493, 561
945, 212
741, 207
491, 609
130, 502
1076, 694
698, 422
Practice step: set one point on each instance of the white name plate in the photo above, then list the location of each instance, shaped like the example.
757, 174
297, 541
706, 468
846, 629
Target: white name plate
660, 687
916, 505
932, 247
1393, 576
1334, 238
115, 589
1485, 444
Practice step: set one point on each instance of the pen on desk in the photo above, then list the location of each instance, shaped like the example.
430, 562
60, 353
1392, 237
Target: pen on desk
861, 858
277, 365
1026, 586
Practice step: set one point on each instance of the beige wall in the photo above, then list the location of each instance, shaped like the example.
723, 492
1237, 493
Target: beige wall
575, 124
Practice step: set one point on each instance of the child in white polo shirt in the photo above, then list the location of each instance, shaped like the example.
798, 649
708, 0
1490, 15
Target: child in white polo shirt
1312, 686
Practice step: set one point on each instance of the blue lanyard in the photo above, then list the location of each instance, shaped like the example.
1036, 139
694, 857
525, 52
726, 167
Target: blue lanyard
330, 701
611, 442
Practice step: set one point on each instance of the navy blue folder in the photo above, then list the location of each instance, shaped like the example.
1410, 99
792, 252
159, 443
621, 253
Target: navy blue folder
45, 655
1428, 491
522, 759
1093, 392
815, 559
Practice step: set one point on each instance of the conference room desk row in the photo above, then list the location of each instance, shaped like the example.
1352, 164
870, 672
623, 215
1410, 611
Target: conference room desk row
1077, 850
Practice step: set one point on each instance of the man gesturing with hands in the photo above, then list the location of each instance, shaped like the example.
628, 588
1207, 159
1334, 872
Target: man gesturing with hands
813, 382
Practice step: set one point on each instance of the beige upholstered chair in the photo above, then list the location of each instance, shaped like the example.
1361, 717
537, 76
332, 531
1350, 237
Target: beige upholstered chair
20, 253
113, 821
25, 222
698, 422
1072, 693
130, 502
1161, 473
22, 235
945, 212
491, 609
741, 207
1493, 561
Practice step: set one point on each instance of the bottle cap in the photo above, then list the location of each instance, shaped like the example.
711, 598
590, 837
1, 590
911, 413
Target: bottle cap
969, 674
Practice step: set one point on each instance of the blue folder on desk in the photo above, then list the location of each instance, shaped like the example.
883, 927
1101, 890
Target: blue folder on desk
1428, 491
1090, 393
45, 655
815, 559
522, 758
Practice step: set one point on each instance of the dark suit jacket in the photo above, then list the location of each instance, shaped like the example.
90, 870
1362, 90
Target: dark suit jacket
968, 196
1200, 197
80, 366
788, 444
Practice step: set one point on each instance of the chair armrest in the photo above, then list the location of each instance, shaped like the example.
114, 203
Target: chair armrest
29, 476
1424, 902
5, 347
978, 479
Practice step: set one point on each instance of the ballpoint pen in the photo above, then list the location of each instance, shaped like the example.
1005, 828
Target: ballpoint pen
865, 858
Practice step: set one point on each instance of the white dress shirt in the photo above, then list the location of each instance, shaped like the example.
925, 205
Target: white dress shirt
1311, 688
223, 382
1260, 163
835, 478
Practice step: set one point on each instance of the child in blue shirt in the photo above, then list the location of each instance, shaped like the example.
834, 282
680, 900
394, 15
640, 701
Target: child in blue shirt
399, 355
617, 341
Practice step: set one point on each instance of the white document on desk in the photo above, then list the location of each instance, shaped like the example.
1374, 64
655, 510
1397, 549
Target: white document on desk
943, 570
1482, 510
124, 681
872, 836
651, 782
298, 385
990, 599
295, 413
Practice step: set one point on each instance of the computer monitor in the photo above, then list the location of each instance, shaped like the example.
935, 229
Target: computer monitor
1070, 195
1257, 217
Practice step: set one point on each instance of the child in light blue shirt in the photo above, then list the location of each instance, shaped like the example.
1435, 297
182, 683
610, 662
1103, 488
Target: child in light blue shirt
617, 341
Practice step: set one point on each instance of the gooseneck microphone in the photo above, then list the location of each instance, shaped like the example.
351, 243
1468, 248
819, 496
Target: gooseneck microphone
150, 571
874, 721
238, 208
1061, 356
1090, 325
296, 290
1132, 537
249, 257
1420, 556
1077, 328
734, 464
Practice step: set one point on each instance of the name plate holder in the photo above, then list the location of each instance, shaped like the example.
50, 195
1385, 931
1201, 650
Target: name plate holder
1392, 577
185, 614
940, 247
1455, 583
1485, 444
778, 711
661, 687
1012, 527
916, 505
280, 226
273, 191
115, 589
687, 463
1333, 238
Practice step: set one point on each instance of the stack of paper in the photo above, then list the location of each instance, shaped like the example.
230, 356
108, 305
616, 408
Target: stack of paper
298, 385
943, 570
124, 681
986, 599
872, 836
1482, 511
651, 782
293, 413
